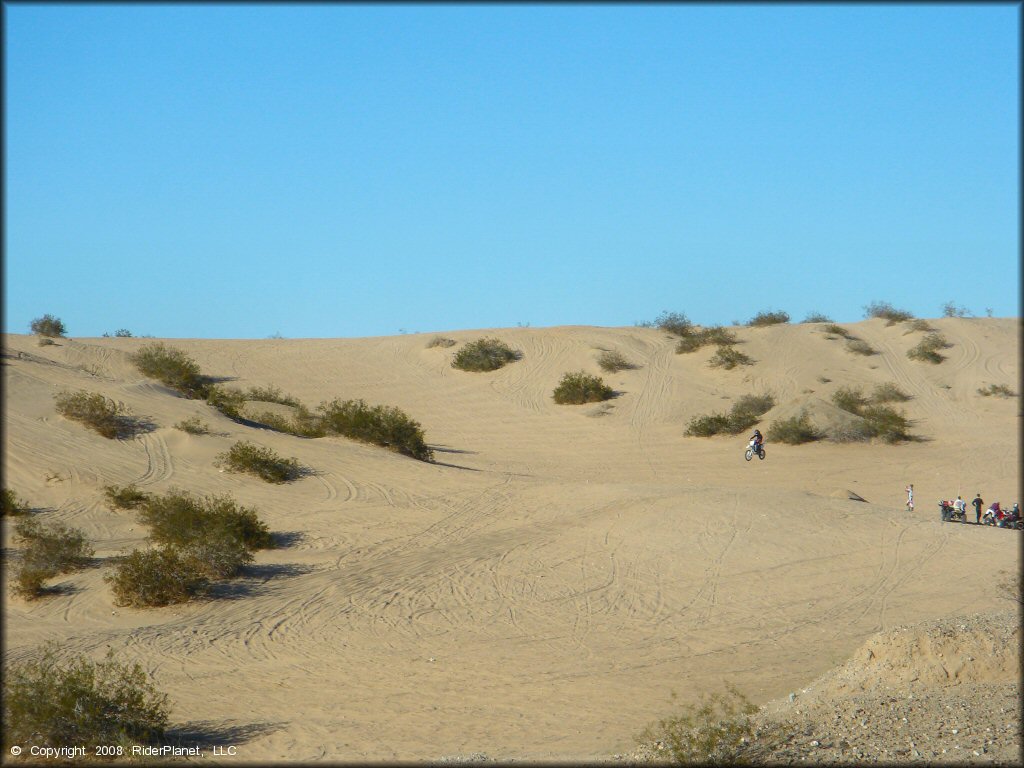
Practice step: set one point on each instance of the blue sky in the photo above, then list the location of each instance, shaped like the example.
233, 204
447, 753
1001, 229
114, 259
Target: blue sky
237, 171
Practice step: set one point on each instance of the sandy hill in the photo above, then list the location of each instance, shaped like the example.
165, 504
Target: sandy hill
541, 590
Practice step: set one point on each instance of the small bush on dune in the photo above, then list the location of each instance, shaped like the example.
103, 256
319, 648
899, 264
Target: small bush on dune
48, 326
262, 462
612, 361
837, 330
706, 426
675, 323
128, 497
996, 389
950, 309
193, 426
227, 400
155, 577
181, 519
886, 311
886, 423
99, 413
45, 341
49, 701
769, 318
850, 399
379, 424
49, 550
727, 357
13, 504
888, 393
440, 341
817, 317
689, 343
927, 350
859, 347
918, 325
484, 355
270, 395
716, 334
745, 413
793, 431
580, 387
172, 367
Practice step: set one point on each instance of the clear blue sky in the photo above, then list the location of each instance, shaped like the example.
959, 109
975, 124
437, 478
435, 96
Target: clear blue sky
237, 171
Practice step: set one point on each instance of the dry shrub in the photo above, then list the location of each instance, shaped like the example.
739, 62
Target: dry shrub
728, 357
927, 350
378, 424
172, 367
769, 318
155, 577
580, 387
99, 413
128, 497
260, 461
612, 361
860, 347
484, 355
440, 341
793, 431
193, 425
886, 311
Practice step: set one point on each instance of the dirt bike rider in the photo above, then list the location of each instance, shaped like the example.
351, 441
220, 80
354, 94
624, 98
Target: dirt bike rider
756, 441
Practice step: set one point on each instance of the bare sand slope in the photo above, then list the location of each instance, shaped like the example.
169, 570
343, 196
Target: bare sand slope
541, 590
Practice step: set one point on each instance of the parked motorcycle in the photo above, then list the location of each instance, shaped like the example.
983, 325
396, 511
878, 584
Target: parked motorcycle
950, 513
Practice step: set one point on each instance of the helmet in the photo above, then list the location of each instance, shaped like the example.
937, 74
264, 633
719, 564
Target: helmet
757, 432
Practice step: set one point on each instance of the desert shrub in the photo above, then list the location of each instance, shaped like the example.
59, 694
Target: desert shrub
46, 342
612, 361
154, 577
181, 519
580, 387
675, 323
716, 334
193, 425
121, 333
48, 325
260, 461
49, 550
918, 325
50, 701
769, 318
128, 497
817, 317
927, 350
99, 413
227, 400
14, 505
837, 330
440, 341
949, 309
886, 423
706, 426
748, 410
860, 347
856, 432
379, 424
996, 389
888, 393
219, 555
793, 431
728, 357
887, 312
172, 367
270, 394
720, 731
484, 355
850, 399
689, 343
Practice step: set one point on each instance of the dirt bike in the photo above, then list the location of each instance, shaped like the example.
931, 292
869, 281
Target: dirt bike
750, 451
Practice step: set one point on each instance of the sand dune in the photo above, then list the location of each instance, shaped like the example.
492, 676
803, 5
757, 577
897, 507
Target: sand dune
541, 590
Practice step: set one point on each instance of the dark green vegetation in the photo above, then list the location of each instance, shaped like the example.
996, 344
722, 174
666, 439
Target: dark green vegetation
927, 350
793, 431
996, 389
45, 341
193, 426
378, 424
48, 326
612, 361
817, 317
729, 357
127, 497
860, 347
745, 413
887, 393
484, 355
121, 333
950, 309
172, 367
49, 550
720, 731
691, 337
769, 318
260, 461
13, 504
55, 700
676, 323
918, 325
877, 420
887, 312
99, 413
581, 387
832, 330
199, 539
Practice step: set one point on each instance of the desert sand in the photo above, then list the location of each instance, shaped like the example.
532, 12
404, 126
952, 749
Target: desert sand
542, 590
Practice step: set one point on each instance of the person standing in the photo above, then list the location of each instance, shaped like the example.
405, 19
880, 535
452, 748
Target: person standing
960, 506
910, 497
978, 504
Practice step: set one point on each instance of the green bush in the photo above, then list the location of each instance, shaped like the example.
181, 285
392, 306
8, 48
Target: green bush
720, 731
484, 355
888, 393
918, 325
706, 426
54, 701
817, 317
155, 577
793, 431
580, 387
379, 424
128, 497
440, 341
769, 318
260, 461
227, 400
886, 424
728, 357
270, 394
49, 550
927, 350
689, 343
13, 505
48, 326
676, 323
46, 342
886, 311
949, 309
837, 330
859, 347
219, 556
745, 413
716, 334
996, 389
612, 361
193, 425
850, 399
181, 519
172, 367
99, 413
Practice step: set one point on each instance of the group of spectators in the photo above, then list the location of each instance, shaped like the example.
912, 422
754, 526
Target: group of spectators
997, 513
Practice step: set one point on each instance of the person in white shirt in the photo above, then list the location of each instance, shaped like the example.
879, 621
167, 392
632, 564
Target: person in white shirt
910, 497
